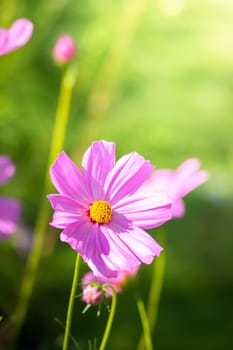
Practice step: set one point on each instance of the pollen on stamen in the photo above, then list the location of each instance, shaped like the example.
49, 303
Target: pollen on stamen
100, 211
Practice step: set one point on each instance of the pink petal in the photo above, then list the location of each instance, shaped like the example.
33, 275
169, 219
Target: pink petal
75, 234
9, 216
127, 176
120, 257
178, 208
97, 162
3, 41
146, 212
84, 237
66, 209
98, 266
161, 180
67, 178
177, 183
7, 169
194, 181
187, 177
143, 246
19, 33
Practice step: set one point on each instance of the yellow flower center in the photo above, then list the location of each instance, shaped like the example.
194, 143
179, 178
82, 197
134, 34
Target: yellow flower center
101, 212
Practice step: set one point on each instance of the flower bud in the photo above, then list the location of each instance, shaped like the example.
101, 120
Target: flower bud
92, 295
64, 49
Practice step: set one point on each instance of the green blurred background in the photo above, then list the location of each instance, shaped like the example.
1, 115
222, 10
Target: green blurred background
155, 77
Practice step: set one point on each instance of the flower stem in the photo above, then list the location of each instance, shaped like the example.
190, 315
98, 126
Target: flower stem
155, 290
71, 305
101, 95
33, 260
145, 325
110, 320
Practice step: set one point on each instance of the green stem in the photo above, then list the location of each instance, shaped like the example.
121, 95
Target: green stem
110, 320
101, 96
71, 305
155, 290
145, 325
33, 260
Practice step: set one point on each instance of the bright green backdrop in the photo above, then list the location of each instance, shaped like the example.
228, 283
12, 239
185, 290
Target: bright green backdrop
155, 77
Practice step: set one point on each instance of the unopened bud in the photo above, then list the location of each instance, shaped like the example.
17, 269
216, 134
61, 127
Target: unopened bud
65, 49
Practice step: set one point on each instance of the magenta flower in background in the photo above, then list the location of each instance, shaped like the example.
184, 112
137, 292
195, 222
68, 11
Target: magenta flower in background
100, 213
16, 36
91, 285
93, 289
64, 49
9, 208
178, 183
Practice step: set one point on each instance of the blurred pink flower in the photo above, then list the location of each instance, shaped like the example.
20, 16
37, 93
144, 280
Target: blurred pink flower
9, 208
177, 183
64, 49
96, 288
101, 216
16, 36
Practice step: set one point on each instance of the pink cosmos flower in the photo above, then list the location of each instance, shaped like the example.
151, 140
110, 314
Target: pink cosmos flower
100, 213
64, 49
16, 36
9, 208
178, 183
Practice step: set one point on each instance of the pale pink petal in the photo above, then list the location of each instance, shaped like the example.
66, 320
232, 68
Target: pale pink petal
99, 267
194, 181
187, 177
67, 178
161, 180
7, 169
3, 41
128, 174
97, 162
177, 183
84, 237
9, 216
189, 166
146, 212
19, 33
143, 246
67, 210
75, 234
95, 247
120, 256
178, 208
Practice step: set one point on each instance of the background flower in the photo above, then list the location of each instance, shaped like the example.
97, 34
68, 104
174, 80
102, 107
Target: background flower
9, 208
64, 49
95, 288
178, 183
100, 212
16, 36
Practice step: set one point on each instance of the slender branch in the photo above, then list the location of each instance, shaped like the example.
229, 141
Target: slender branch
71, 305
145, 325
110, 320
33, 260
155, 290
